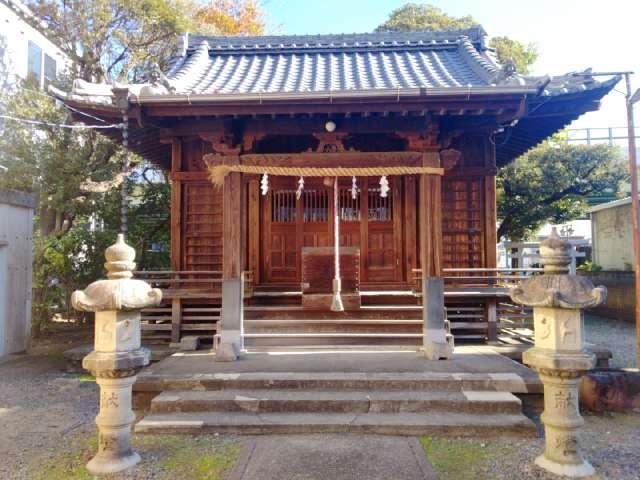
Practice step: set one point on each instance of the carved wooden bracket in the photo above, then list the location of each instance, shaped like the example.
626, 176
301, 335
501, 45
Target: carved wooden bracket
423, 141
221, 143
330, 142
249, 139
449, 158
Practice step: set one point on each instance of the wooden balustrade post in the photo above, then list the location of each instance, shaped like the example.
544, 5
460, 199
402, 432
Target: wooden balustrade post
176, 320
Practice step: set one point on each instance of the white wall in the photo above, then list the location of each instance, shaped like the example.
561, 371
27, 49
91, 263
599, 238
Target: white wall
16, 226
17, 33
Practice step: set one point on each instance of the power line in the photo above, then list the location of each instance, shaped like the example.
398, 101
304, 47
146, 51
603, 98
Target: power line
59, 125
43, 94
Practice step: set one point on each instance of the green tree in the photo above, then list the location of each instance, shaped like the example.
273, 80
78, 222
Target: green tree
551, 182
123, 39
422, 16
74, 173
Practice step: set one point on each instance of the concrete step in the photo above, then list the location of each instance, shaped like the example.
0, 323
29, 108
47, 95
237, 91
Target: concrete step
431, 423
335, 401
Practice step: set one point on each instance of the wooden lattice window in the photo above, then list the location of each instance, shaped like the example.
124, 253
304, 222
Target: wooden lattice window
380, 208
349, 206
316, 205
202, 227
283, 206
462, 223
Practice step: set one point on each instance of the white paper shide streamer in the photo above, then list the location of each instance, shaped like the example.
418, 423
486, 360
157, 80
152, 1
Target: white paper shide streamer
384, 186
354, 188
300, 188
264, 184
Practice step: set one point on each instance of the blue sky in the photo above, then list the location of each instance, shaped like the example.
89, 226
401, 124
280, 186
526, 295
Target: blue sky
571, 35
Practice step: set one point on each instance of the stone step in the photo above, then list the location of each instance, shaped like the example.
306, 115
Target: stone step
335, 401
427, 381
431, 423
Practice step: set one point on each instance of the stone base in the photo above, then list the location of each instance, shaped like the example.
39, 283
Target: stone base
439, 351
106, 464
584, 469
227, 352
187, 343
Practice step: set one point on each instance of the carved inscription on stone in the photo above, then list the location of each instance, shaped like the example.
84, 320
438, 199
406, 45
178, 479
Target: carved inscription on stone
564, 400
109, 400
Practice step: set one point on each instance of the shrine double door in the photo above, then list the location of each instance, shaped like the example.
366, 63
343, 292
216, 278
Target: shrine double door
367, 221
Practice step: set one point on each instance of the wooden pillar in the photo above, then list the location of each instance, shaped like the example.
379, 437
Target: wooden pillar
437, 342
176, 240
232, 205
230, 330
410, 228
176, 204
253, 225
430, 221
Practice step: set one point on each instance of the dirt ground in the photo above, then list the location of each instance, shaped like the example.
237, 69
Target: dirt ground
47, 429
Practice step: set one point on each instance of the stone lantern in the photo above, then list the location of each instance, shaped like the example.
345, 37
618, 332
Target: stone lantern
559, 355
117, 356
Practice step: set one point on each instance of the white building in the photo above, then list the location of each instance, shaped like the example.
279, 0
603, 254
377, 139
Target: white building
613, 235
24, 50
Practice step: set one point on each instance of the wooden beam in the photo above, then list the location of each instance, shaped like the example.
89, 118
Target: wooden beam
443, 105
333, 160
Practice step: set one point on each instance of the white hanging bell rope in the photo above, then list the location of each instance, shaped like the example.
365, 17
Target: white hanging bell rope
300, 187
354, 188
264, 184
384, 186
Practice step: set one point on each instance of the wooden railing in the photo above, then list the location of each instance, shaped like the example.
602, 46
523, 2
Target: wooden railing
489, 278
191, 303
477, 300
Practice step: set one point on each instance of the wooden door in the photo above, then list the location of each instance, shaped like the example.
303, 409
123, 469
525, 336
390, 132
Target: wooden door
290, 223
280, 220
383, 233
368, 222
350, 211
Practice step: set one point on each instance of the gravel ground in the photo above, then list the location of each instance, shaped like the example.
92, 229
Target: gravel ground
610, 442
41, 409
617, 336
46, 421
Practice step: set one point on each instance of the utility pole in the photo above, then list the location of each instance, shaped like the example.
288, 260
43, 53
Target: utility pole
633, 173
630, 100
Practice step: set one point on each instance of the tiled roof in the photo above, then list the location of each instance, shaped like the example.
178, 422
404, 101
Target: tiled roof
304, 66
246, 65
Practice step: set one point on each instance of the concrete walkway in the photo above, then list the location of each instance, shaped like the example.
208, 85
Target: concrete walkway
332, 457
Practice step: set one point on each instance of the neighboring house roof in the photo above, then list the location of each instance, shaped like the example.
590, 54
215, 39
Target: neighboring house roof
412, 66
615, 203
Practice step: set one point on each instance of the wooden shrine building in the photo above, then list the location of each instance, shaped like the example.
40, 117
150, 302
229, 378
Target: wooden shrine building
273, 144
